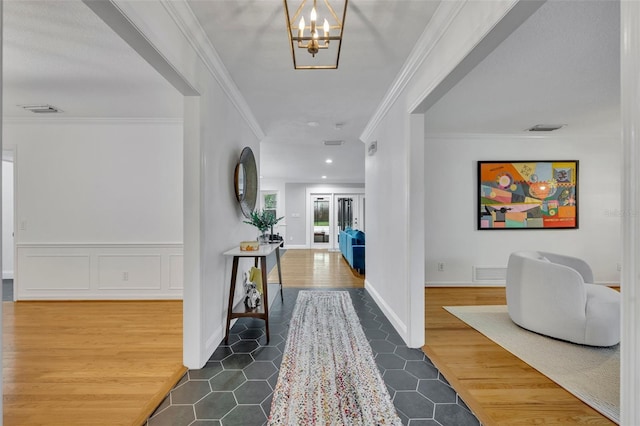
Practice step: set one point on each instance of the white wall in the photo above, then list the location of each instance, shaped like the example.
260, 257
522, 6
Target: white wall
394, 183
7, 219
451, 216
217, 125
99, 208
87, 182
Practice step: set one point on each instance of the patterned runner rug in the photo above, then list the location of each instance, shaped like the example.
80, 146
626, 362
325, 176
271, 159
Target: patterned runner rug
328, 374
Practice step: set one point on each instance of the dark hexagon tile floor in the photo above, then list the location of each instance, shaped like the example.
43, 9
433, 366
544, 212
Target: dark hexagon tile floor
236, 385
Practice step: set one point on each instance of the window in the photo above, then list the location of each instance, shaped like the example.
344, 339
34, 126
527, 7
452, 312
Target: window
270, 203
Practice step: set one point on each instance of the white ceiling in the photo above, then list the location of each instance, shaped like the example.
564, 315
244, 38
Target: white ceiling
59, 52
561, 66
251, 38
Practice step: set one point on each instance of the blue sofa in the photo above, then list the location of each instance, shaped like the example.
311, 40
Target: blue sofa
351, 243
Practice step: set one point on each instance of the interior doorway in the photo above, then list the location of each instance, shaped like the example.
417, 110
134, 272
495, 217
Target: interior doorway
321, 208
8, 229
350, 212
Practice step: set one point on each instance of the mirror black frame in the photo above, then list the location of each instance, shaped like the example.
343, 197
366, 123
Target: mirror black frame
246, 182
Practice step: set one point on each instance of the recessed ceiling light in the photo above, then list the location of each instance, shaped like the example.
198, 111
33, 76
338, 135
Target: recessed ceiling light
324, 177
313, 123
328, 161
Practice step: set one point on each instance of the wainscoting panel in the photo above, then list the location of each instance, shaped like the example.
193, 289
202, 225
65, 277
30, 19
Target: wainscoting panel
98, 271
176, 272
133, 272
57, 271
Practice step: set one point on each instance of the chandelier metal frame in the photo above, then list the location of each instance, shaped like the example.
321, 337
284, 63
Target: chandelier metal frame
307, 37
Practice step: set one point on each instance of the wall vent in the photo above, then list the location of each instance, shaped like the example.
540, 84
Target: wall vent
489, 274
334, 143
41, 109
546, 127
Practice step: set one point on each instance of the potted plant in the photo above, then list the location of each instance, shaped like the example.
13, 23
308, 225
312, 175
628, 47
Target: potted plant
263, 220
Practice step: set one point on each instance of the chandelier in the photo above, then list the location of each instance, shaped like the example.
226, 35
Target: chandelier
315, 44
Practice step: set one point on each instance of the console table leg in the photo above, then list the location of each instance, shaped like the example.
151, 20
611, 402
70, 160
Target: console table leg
265, 286
279, 272
232, 291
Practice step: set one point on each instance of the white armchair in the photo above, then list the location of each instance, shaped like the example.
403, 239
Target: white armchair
554, 295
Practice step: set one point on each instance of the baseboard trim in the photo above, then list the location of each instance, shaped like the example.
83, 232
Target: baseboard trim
397, 323
212, 344
296, 247
495, 284
463, 284
70, 296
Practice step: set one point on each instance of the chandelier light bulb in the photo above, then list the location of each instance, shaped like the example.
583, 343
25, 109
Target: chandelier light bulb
326, 29
301, 25
314, 15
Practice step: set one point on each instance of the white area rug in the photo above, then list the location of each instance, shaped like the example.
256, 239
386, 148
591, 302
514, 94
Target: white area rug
328, 375
591, 374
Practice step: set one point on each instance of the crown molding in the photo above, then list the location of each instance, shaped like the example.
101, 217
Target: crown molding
91, 120
522, 136
437, 27
190, 27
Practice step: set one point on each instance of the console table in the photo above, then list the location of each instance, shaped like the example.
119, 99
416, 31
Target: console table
262, 310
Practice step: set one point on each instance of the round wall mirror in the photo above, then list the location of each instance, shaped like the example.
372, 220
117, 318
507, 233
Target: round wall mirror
246, 181
240, 179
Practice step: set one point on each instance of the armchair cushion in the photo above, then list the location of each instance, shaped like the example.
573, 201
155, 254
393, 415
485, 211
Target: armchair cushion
554, 295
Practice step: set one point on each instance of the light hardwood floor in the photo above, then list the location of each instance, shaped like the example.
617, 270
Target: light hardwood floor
499, 387
316, 268
112, 363
89, 363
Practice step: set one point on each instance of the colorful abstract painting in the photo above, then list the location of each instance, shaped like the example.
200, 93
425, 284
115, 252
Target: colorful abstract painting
528, 195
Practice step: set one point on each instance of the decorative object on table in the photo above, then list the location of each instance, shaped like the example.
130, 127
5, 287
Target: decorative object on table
252, 296
306, 37
263, 220
249, 245
246, 181
328, 374
527, 194
277, 238
255, 276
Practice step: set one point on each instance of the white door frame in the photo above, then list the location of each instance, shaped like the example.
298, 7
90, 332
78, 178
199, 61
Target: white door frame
331, 191
630, 281
12, 149
358, 212
314, 197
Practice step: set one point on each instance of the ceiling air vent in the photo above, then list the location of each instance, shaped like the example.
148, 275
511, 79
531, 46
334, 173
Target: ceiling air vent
545, 127
41, 109
333, 143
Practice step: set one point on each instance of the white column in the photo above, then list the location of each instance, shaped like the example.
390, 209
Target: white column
630, 282
415, 231
192, 293
1, 143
